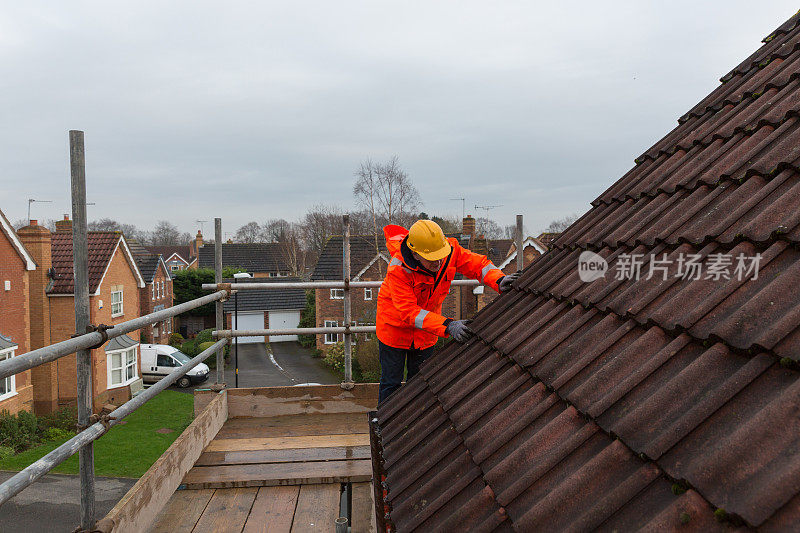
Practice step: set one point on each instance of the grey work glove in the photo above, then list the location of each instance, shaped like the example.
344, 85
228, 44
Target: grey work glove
507, 281
459, 331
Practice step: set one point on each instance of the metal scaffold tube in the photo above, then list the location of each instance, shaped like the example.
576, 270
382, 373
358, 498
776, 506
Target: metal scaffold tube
520, 240
80, 267
218, 305
37, 357
26, 477
348, 307
282, 285
338, 330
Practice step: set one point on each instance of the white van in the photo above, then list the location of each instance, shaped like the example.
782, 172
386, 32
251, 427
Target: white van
159, 360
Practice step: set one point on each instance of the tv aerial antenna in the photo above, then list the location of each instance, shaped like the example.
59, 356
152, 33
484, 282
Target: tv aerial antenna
488, 208
463, 209
31, 200
201, 222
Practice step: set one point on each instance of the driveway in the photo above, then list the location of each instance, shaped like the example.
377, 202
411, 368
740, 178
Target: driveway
53, 503
288, 364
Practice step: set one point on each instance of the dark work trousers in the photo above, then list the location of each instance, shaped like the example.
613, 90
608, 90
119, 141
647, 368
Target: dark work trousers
392, 362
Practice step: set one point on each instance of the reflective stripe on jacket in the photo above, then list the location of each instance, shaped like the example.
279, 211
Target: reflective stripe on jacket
410, 299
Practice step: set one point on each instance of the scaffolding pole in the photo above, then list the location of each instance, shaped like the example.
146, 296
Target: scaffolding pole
338, 330
218, 305
80, 267
520, 252
348, 308
282, 285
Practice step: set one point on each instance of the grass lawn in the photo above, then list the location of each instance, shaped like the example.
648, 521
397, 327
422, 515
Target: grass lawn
129, 449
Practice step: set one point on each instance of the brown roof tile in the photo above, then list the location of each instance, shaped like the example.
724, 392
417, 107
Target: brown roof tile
626, 403
101, 248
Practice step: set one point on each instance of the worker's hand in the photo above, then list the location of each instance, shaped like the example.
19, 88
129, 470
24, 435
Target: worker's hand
507, 281
459, 331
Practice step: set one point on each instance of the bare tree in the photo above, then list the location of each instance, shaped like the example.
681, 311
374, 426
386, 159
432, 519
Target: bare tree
249, 233
488, 228
109, 224
276, 230
449, 224
510, 232
561, 224
167, 234
319, 223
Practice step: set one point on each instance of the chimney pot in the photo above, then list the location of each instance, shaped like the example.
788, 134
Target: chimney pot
34, 222
66, 217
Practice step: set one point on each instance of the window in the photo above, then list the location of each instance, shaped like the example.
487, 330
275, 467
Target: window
331, 338
121, 367
273, 274
337, 294
153, 290
116, 301
174, 267
367, 336
368, 293
156, 333
7, 385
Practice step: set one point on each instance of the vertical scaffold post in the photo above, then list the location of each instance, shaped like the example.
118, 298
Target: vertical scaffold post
520, 251
348, 308
218, 304
80, 266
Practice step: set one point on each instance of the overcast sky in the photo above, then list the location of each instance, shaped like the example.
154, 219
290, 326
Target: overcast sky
258, 110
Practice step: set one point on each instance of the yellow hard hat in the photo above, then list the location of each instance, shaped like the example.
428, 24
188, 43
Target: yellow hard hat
426, 238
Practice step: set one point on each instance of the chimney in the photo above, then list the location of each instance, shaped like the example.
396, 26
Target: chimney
64, 225
468, 226
230, 241
194, 250
37, 241
480, 245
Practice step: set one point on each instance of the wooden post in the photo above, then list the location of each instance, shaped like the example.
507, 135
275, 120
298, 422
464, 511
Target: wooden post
348, 308
218, 305
520, 253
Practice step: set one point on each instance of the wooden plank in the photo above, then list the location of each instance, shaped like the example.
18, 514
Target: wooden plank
295, 426
285, 443
264, 475
283, 456
317, 508
140, 505
227, 511
273, 401
363, 509
273, 510
182, 511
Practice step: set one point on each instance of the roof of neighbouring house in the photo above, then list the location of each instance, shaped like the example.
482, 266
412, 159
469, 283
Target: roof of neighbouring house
6, 342
267, 299
631, 403
102, 245
8, 229
146, 261
256, 257
547, 238
498, 250
537, 245
168, 251
123, 342
362, 254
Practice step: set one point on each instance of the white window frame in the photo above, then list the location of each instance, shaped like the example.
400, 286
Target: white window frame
173, 268
153, 291
367, 335
334, 293
367, 293
331, 338
11, 391
120, 302
125, 365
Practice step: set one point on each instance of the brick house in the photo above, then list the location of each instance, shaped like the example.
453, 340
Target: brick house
156, 294
114, 294
175, 257
260, 260
532, 248
365, 265
16, 268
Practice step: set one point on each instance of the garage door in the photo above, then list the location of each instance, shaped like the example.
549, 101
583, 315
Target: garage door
283, 319
251, 320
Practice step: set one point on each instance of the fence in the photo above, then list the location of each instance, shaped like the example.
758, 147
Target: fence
89, 337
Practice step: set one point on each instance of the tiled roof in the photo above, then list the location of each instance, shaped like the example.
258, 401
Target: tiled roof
259, 257
498, 250
167, 251
101, 248
362, 252
6, 342
267, 300
146, 261
119, 343
624, 404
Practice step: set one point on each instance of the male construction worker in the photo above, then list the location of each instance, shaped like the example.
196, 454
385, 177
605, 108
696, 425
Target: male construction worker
409, 318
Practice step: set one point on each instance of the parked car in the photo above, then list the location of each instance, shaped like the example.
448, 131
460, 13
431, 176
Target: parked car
159, 360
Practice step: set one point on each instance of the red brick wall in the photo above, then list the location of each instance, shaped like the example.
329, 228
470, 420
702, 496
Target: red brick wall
62, 313
15, 319
148, 304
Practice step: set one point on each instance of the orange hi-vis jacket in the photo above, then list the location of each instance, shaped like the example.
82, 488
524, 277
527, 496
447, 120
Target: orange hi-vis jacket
410, 299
